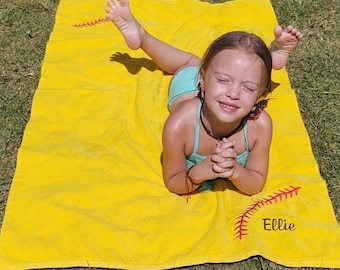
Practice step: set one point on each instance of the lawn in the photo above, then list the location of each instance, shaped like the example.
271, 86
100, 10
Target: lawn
25, 26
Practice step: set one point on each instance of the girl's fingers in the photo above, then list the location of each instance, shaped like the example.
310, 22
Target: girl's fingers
227, 154
223, 162
224, 144
222, 172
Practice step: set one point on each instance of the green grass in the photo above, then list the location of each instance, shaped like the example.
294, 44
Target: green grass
25, 26
315, 75
24, 30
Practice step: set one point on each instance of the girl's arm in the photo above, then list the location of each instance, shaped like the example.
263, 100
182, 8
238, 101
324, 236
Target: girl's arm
251, 178
173, 156
178, 135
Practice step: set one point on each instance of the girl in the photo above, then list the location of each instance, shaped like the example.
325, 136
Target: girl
217, 127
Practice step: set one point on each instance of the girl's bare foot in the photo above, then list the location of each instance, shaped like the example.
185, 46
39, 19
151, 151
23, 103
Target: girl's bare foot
283, 45
118, 11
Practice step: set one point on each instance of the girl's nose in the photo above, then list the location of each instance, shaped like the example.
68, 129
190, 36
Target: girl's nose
233, 91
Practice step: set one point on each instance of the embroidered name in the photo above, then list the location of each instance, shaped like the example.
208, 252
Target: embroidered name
277, 224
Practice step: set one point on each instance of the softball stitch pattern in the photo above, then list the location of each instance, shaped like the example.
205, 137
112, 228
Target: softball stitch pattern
91, 23
241, 225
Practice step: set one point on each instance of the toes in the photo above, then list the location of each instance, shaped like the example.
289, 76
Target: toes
289, 29
278, 31
293, 31
117, 3
298, 34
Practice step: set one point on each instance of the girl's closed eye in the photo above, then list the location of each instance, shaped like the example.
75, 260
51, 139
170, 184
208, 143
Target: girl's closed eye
250, 88
223, 80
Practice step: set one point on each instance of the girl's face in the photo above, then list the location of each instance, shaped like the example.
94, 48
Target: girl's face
232, 84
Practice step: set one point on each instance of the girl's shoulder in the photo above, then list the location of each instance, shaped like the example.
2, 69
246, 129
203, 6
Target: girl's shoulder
185, 110
182, 118
263, 121
260, 128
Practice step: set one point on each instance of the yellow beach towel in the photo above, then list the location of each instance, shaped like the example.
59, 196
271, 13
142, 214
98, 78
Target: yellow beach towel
88, 188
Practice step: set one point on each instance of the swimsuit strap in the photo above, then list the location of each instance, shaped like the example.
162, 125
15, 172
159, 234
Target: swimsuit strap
197, 129
245, 134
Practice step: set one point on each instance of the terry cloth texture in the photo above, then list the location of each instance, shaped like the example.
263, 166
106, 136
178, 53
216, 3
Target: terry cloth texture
88, 188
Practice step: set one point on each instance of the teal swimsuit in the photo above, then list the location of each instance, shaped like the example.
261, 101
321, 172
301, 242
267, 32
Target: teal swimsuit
195, 158
183, 82
186, 81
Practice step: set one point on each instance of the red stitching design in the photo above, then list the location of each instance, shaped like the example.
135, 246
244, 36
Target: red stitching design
243, 219
91, 23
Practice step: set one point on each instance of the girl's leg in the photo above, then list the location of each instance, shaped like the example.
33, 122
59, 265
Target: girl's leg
167, 57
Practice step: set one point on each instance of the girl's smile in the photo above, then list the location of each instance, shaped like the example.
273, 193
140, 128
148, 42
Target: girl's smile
229, 107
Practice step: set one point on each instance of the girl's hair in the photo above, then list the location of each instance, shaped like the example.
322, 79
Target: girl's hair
247, 43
